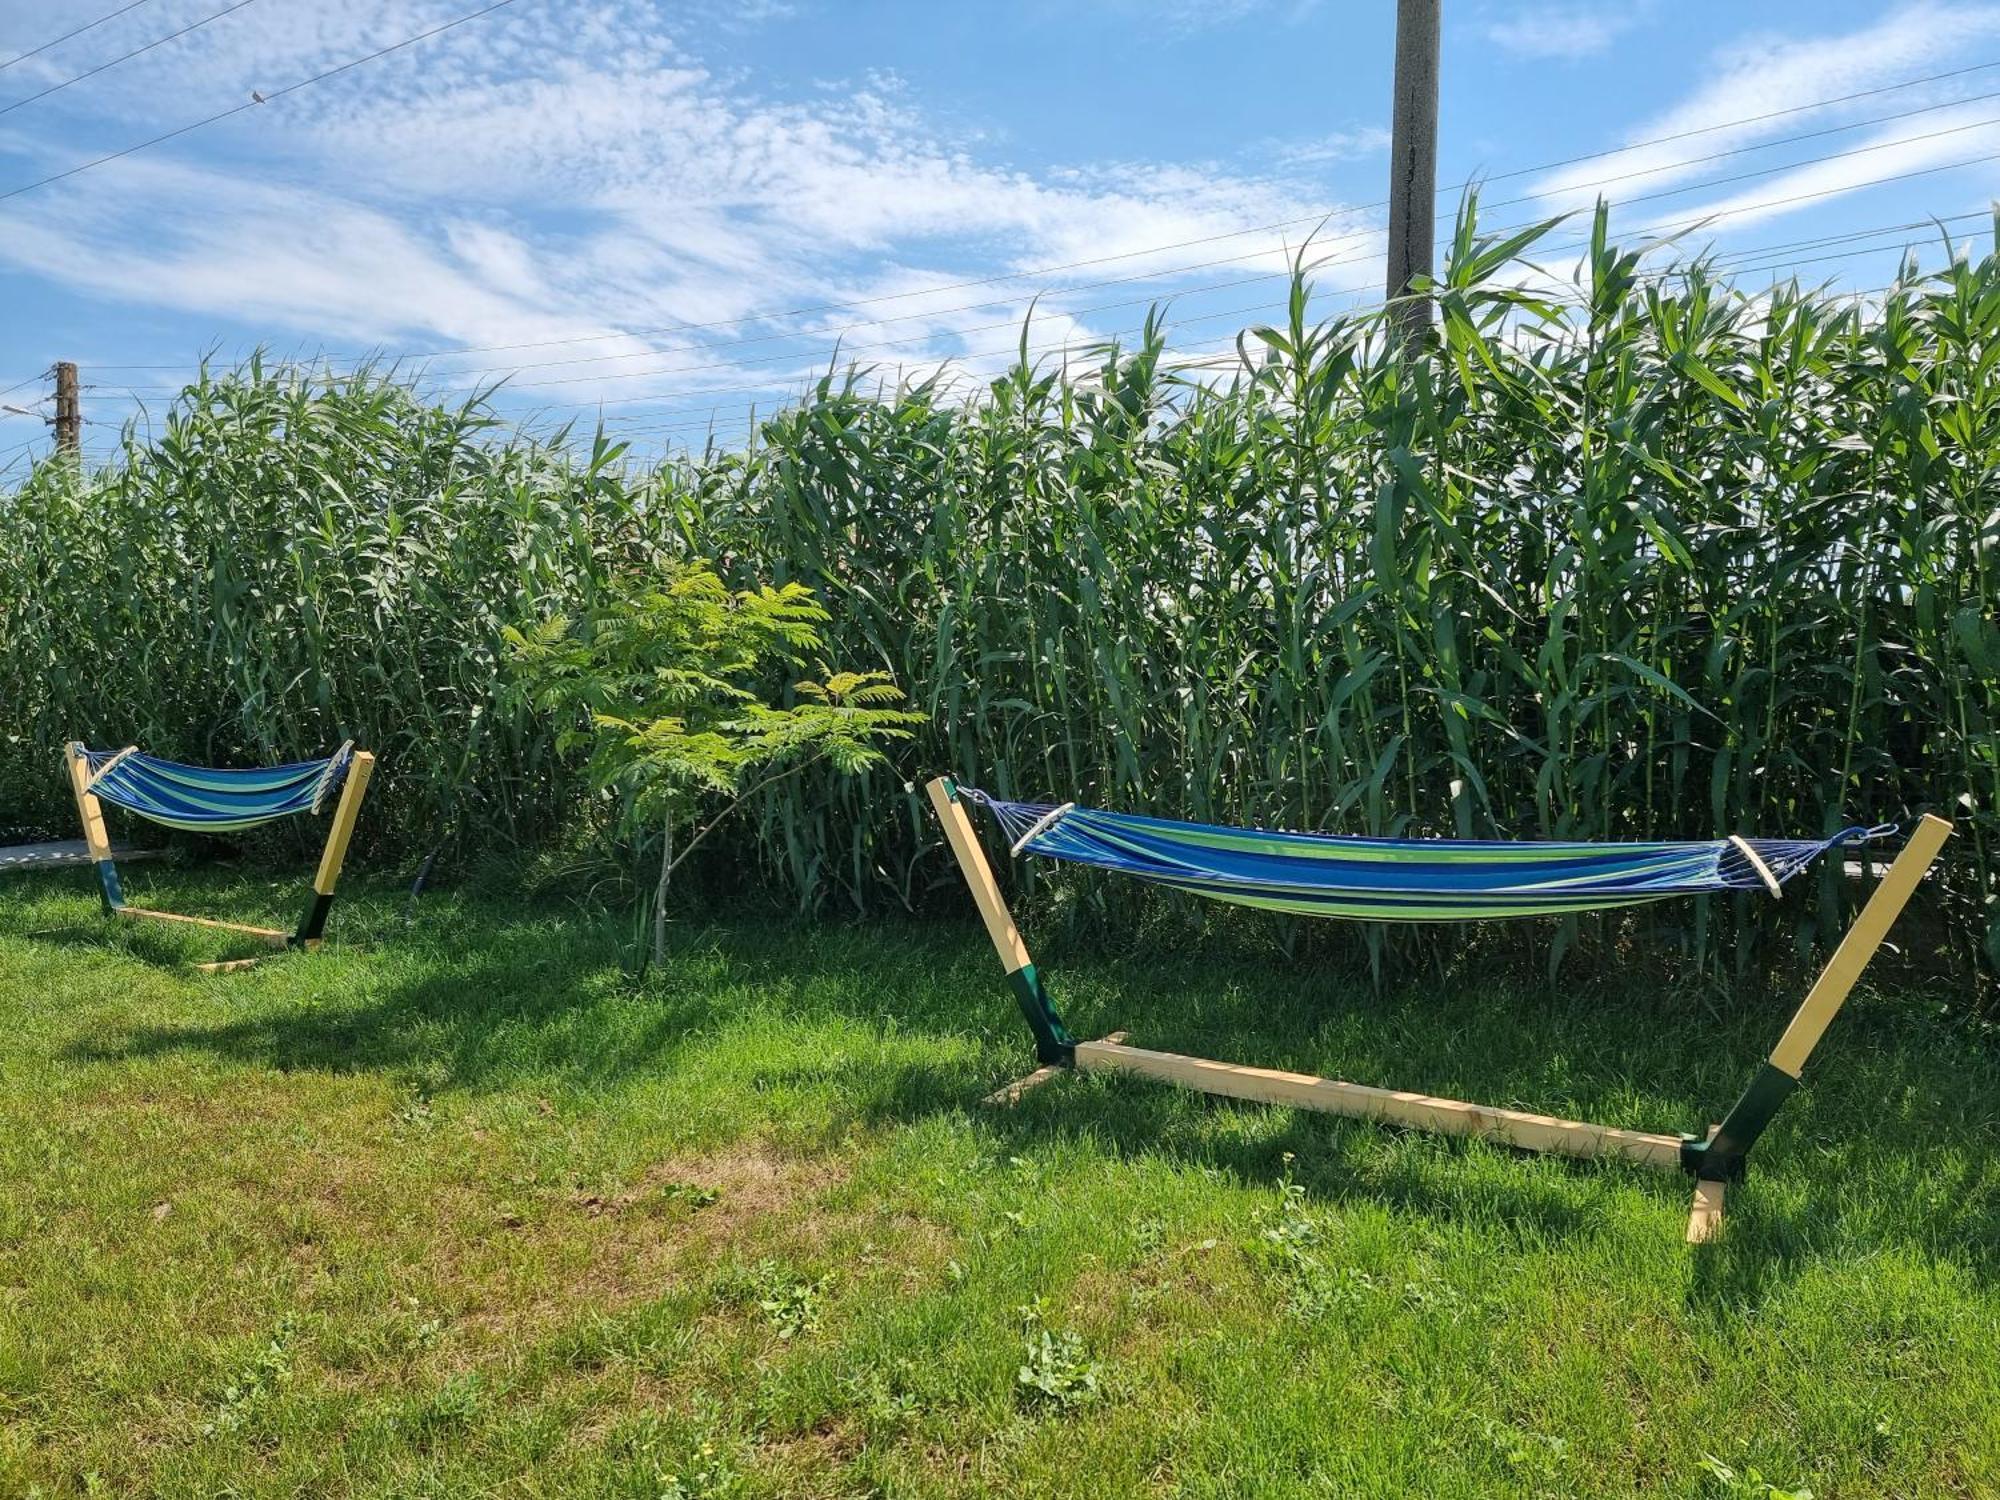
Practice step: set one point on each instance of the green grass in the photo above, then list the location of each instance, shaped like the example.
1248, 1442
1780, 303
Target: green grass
457, 1209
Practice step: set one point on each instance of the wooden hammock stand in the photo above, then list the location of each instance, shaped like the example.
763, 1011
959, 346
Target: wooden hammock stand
312, 926
1713, 1160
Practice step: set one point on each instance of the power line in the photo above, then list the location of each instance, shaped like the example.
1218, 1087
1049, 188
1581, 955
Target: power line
39, 375
1747, 255
926, 337
255, 101
1729, 259
58, 41
1691, 224
1261, 252
1316, 217
1281, 224
1085, 286
6, 109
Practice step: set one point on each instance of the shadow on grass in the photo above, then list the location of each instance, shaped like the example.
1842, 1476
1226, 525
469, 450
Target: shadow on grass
1892, 1145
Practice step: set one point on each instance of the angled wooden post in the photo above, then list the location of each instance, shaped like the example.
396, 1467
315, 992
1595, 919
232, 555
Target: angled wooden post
1830, 991
345, 814
1720, 1158
95, 839
1053, 1043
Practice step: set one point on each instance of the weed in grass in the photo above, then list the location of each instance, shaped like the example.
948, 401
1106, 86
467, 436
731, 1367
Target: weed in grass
886, 1399
1747, 1484
1533, 1457
707, 1475
1289, 1245
790, 1303
455, 1404
257, 1384
691, 1195
1056, 1369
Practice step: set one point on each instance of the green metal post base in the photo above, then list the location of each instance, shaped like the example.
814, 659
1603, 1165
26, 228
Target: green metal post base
312, 927
1721, 1158
1053, 1043
108, 889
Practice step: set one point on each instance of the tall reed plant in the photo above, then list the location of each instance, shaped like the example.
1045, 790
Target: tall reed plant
1617, 553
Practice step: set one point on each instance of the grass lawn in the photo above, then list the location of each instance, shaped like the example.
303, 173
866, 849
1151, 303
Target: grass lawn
455, 1209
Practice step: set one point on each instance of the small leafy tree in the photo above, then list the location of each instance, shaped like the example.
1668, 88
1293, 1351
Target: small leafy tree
669, 688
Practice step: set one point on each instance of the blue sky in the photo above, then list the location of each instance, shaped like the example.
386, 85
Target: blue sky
666, 212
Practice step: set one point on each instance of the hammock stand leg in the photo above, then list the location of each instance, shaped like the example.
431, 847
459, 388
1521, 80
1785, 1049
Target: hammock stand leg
1721, 1157
1054, 1046
312, 927
91, 812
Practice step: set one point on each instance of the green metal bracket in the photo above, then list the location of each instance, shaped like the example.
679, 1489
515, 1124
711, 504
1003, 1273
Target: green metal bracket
108, 889
1053, 1043
1721, 1158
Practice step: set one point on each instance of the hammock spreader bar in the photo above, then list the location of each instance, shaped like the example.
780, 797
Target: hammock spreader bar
1443, 880
1401, 880
203, 799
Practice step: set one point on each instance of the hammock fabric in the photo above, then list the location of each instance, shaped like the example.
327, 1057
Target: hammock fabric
202, 799
1399, 880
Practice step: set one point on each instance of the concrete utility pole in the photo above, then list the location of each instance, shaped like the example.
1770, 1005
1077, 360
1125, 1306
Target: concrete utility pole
69, 411
1413, 161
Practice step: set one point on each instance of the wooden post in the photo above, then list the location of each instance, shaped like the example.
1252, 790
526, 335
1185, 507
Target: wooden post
1829, 992
972, 863
68, 419
345, 813
1705, 1213
1721, 1157
1413, 163
1053, 1043
91, 812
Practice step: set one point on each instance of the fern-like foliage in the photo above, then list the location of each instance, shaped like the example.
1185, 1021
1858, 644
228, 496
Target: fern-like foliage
675, 692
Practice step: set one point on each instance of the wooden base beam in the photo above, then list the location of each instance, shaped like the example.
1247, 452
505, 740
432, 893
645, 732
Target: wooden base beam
270, 935
1011, 1094
1705, 1213
1511, 1127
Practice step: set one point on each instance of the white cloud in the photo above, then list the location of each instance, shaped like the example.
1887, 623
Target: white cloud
1566, 32
1786, 76
554, 172
1336, 146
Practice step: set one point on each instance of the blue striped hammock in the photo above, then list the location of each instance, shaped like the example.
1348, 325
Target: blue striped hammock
1402, 880
205, 799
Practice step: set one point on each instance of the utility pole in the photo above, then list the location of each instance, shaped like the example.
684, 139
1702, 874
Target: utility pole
1413, 163
68, 420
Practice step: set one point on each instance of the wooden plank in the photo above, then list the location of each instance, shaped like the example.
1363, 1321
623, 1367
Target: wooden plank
88, 808
344, 816
231, 965
268, 934
1011, 1094
1830, 990
1393, 1106
958, 831
59, 853
1705, 1214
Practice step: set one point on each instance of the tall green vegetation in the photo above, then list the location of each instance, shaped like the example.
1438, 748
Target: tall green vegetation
1645, 557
